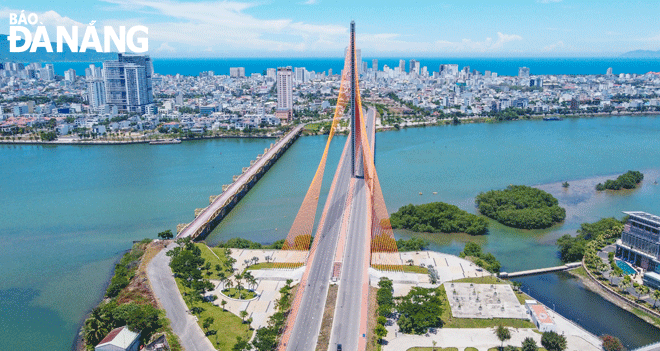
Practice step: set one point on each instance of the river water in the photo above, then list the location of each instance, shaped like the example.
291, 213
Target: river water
68, 212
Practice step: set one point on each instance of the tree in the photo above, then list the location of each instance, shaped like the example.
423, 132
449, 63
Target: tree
243, 314
553, 341
381, 332
240, 345
208, 321
656, 297
166, 235
611, 343
503, 334
434, 343
529, 345
223, 303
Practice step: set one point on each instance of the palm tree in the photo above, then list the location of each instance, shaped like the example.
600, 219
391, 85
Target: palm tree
223, 303
656, 297
434, 343
239, 284
249, 278
243, 315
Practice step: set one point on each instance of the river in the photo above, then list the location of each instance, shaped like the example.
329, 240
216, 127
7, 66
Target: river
70, 211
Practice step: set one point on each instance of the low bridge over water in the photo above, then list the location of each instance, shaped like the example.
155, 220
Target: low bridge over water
540, 270
206, 219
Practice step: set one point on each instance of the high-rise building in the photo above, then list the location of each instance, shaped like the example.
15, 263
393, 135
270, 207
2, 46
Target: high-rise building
414, 67
93, 72
237, 72
271, 73
402, 66
300, 75
449, 69
284, 93
609, 71
374, 64
96, 92
128, 83
523, 72
640, 241
70, 75
47, 72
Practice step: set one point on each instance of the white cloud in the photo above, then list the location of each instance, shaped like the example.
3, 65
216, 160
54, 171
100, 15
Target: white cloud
488, 45
553, 47
165, 47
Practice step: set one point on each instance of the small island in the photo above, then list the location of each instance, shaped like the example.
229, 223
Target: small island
521, 206
438, 217
628, 180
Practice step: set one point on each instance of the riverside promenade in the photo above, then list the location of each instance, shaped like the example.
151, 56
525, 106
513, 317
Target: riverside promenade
210, 216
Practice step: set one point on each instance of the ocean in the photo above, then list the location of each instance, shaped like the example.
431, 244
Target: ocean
503, 66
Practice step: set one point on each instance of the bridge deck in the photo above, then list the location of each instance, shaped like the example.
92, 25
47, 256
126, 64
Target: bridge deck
194, 228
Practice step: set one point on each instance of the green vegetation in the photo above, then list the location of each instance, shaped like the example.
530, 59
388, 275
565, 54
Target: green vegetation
611, 343
239, 294
553, 341
520, 206
385, 297
420, 310
529, 345
166, 235
48, 136
240, 243
125, 269
628, 180
409, 268
267, 337
189, 264
438, 217
503, 334
268, 265
481, 280
132, 306
435, 349
413, 244
487, 261
604, 231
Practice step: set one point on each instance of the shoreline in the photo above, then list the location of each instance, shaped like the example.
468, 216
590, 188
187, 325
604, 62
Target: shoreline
441, 122
590, 283
121, 142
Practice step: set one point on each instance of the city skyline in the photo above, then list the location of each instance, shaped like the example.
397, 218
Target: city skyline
317, 28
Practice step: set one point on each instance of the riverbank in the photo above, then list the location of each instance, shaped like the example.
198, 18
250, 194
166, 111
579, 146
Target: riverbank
592, 284
73, 141
129, 286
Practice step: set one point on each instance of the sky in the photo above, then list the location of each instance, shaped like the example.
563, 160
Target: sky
319, 28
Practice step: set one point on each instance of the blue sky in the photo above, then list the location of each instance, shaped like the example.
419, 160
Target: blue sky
319, 28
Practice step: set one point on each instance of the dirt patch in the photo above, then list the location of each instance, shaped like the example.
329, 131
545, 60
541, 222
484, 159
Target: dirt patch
328, 316
139, 289
372, 310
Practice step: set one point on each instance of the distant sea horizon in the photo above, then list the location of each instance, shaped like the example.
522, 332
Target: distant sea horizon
502, 66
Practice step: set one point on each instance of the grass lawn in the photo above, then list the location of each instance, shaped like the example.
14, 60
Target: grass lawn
451, 322
245, 294
227, 325
218, 258
402, 268
470, 349
579, 271
482, 280
268, 265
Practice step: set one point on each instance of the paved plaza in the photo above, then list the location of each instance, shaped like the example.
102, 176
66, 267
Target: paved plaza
469, 300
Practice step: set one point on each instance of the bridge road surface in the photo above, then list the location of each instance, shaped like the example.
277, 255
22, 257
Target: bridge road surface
350, 297
307, 325
208, 212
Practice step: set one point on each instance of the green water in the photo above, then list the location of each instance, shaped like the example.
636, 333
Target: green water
68, 212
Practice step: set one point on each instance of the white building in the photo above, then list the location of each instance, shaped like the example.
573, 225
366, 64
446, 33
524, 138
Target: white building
540, 316
237, 72
128, 84
70, 75
120, 339
96, 92
284, 93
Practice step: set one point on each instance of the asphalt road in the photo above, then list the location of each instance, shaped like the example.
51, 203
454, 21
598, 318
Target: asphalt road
164, 287
348, 311
307, 326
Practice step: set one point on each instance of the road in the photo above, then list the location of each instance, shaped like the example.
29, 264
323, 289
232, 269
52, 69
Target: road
183, 323
307, 325
350, 311
220, 201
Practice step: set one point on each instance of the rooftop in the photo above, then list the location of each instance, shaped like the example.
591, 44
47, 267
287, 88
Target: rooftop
121, 337
541, 313
644, 215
